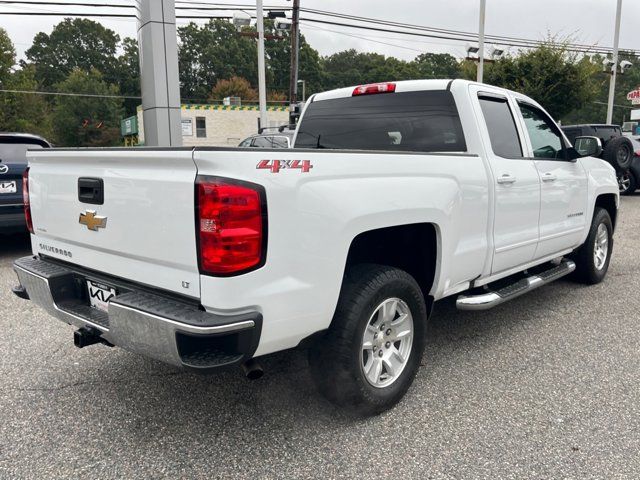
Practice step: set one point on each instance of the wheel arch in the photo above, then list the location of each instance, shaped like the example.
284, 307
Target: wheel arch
412, 248
608, 201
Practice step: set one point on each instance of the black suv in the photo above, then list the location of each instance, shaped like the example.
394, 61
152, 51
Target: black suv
13, 163
617, 149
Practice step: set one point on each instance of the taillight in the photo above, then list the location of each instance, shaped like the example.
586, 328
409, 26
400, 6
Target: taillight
25, 199
231, 221
374, 88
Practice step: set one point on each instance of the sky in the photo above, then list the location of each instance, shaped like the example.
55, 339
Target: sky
584, 21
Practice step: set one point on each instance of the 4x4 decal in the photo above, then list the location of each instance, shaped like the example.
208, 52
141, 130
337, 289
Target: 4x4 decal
276, 165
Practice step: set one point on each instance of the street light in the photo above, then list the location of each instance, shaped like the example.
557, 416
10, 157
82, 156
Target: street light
495, 52
240, 20
614, 69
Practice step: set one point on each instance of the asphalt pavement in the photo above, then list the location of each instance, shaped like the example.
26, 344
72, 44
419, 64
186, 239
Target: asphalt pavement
544, 387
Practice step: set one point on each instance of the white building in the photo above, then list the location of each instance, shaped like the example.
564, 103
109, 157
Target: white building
221, 125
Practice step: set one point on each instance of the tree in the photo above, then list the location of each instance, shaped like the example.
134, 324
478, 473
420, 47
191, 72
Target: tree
128, 74
24, 112
234, 87
87, 121
74, 43
7, 56
212, 52
216, 51
561, 81
351, 67
437, 65
595, 111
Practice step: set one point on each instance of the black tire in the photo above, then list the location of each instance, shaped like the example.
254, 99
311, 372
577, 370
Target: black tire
619, 153
586, 269
335, 359
627, 183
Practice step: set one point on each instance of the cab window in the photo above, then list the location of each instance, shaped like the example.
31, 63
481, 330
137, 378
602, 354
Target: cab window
546, 140
501, 126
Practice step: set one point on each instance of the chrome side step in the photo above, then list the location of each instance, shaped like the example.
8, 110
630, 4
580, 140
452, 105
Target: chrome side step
490, 299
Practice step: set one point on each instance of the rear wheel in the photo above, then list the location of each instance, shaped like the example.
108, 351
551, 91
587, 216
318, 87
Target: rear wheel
593, 257
627, 183
368, 358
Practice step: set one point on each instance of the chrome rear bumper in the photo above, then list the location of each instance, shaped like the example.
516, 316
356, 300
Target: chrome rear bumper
152, 324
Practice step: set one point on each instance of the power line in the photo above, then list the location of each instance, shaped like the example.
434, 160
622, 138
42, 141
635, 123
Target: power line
468, 35
414, 30
65, 94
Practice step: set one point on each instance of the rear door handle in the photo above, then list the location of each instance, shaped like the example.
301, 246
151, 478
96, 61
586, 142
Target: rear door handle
506, 178
548, 177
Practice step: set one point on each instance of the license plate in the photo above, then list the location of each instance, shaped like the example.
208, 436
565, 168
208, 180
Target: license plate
8, 187
99, 295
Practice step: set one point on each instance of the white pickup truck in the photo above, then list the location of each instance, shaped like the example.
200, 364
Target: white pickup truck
396, 195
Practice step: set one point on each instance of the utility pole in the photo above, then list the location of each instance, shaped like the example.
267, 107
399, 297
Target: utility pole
614, 69
262, 87
483, 6
295, 49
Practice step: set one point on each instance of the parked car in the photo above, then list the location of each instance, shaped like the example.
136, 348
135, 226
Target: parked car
397, 195
629, 181
281, 139
617, 149
13, 163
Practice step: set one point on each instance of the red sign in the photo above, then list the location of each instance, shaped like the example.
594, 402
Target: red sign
633, 95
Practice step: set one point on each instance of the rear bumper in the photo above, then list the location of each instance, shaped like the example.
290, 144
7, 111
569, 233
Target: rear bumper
149, 323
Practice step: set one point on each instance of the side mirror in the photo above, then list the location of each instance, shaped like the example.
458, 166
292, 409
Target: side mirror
588, 146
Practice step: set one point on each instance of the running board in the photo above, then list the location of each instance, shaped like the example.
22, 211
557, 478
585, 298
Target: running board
490, 299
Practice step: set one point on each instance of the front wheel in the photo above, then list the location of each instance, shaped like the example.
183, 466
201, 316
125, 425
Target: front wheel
593, 257
368, 358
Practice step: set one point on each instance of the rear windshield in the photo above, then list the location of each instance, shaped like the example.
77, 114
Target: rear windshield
426, 121
16, 152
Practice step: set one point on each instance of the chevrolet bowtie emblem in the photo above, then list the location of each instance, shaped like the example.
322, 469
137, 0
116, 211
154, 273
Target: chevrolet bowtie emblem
93, 221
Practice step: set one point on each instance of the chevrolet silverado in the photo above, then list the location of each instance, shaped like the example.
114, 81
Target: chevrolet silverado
395, 195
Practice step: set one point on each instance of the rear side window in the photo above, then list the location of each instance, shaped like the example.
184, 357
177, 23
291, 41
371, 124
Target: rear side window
426, 121
501, 126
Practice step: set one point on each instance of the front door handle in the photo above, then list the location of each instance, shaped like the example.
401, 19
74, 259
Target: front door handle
548, 177
506, 178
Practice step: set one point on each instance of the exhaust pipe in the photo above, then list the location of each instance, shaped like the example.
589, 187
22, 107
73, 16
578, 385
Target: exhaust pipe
85, 336
252, 369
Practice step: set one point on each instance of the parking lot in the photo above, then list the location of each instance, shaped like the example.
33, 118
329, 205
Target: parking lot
543, 387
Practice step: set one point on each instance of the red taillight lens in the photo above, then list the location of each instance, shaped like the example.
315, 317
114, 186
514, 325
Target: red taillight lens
25, 199
374, 88
231, 224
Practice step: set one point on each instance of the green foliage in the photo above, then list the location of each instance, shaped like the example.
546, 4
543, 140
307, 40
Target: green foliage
559, 80
437, 65
74, 43
128, 74
596, 110
7, 56
26, 113
101, 115
213, 52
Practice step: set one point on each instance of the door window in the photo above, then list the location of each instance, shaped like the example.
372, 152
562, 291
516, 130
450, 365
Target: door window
546, 140
501, 125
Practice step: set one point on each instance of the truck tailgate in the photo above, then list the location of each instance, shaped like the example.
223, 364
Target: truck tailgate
144, 229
